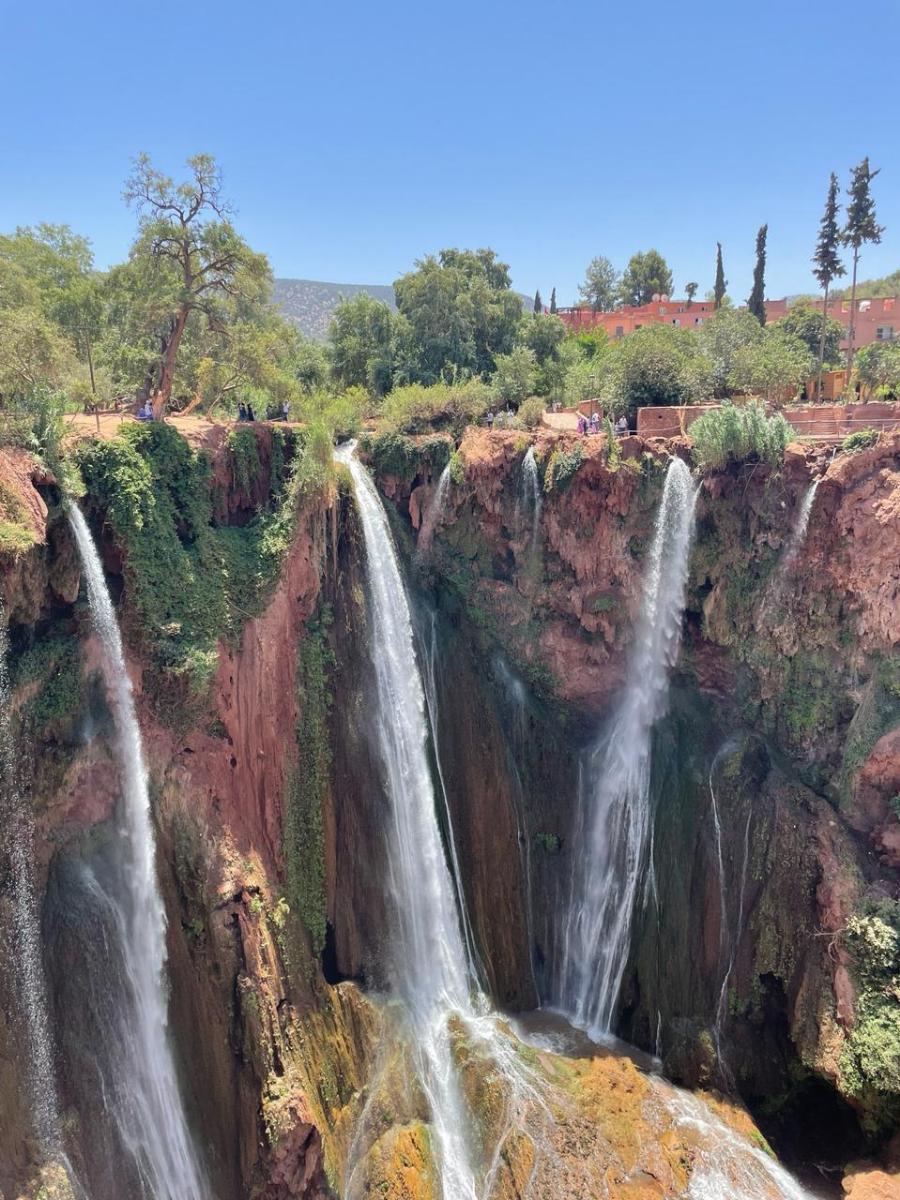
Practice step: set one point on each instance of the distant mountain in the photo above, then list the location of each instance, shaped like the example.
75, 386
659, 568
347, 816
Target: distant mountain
309, 303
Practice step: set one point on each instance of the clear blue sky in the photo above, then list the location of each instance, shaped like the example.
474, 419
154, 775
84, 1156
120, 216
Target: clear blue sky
355, 137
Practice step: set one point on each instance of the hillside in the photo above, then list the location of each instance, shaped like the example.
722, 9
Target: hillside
309, 303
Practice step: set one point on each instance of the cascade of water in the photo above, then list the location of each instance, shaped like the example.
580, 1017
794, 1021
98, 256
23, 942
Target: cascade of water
798, 533
434, 510
429, 679
531, 489
610, 845
428, 968
141, 1092
27, 961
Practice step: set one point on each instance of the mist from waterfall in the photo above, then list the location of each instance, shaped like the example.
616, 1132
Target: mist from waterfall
610, 843
139, 1083
18, 838
428, 965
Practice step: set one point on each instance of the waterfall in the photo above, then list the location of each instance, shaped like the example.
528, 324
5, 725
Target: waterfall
140, 1089
798, 533
728, 938
428, 960
531, 492
610, 844
434, 509
27, 961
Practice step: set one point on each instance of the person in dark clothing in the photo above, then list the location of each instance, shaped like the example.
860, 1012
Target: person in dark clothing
242, 412
251, 416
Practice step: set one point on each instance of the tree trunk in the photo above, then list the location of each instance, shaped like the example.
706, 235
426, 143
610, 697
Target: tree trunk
822, 347
163, 393
852, 320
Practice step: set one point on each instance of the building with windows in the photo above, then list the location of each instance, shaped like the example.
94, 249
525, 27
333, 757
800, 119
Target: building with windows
875, 320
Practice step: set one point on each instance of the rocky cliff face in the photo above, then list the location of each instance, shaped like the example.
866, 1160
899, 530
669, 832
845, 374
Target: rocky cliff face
751, 966
251, 667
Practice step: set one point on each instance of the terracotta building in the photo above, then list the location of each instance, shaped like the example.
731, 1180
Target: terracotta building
876, 320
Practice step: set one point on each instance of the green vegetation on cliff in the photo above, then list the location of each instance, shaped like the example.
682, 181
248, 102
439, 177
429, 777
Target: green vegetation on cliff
190, 583
304, 829
732, 434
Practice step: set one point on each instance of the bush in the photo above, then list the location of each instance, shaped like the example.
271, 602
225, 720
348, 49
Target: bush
732, 434
530, 412
419, 409
564, 463
861, 439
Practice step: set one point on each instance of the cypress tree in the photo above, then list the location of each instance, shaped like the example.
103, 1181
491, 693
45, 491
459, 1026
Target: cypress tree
553, 301
538, 303
721, 281
827, 266
861, 227
756, 302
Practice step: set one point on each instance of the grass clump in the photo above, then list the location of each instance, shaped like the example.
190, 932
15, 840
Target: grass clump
733, 434
15, 537
861, 439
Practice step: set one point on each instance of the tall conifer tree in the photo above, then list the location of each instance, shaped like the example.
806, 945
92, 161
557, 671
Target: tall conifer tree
827, 265
553, 301
756, 302
721, 281
861, 227
538, 303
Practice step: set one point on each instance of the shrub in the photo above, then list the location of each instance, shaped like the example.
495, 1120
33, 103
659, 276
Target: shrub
564, 463
531, 412
732, 434
860, 439
419, 409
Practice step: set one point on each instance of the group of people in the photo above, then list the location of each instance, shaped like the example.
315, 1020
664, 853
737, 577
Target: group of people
246, 413
586, 426
145, 412
500, 419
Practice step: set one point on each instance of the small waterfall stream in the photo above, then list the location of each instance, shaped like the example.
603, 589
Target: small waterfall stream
429, 965
531, 493
614, 808
434, 510
15, 814
140, 1086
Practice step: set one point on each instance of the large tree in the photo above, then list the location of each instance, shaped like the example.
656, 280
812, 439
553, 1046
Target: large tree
820, 334
457, 311
601, 283
361, 338
726, 333
553, 302
690, 290
721, 282
827, 265
189, 254
647, 275
861, 228
756, 302
538, 306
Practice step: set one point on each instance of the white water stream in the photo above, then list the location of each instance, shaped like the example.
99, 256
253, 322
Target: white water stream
18, 838
428, 957
434, 510
531, 493
611, 843
142, 1099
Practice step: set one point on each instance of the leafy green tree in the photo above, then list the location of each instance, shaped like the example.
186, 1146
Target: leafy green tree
690, 290
878, 367
657, 365
544, 335
187, 251
361, 340
820, 334
600, 287
553, 302
721, 282
458, 311
773, 367
861, 228
646, 275
827, 267
515, 375
538, 303
726, 333
756, 304
33, 353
